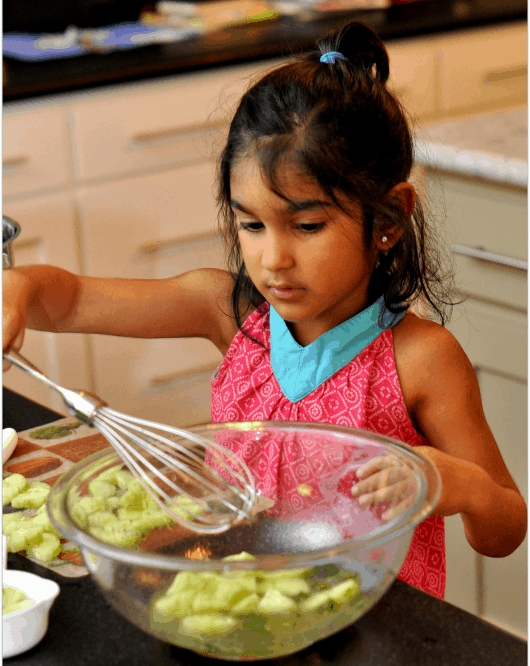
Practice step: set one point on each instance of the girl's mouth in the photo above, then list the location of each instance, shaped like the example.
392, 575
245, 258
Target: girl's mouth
284, 291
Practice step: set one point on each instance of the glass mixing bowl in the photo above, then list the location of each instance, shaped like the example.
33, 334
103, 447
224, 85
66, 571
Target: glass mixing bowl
308, 566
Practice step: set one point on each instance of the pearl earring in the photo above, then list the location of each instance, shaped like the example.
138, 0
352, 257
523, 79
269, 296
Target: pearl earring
384, 239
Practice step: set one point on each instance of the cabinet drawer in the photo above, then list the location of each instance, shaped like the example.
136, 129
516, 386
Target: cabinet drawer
36, 150
494, 338
180, 120
153, 227
413, 75
481, 216
163, 379
129, 226
484, 66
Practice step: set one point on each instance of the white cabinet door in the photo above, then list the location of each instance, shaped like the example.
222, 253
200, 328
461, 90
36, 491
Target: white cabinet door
153, 227
504, 581
48, 236
491, 326
484, 68
495, 340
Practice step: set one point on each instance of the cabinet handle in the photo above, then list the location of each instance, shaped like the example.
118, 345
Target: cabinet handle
156, 246
499, 75
13, 162
492, 257
164, 380
157, 135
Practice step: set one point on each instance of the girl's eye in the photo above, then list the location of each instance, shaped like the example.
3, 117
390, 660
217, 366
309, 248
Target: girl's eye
311, 227
251, 226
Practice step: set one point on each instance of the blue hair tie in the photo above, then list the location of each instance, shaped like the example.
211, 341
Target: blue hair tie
331, 56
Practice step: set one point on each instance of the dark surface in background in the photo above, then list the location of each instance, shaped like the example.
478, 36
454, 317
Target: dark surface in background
245, 44
407, 627
37, 16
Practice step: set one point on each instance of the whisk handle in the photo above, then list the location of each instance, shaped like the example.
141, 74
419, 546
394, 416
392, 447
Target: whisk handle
23, 364
81, 404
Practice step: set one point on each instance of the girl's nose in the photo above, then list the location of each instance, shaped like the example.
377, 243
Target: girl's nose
276, 254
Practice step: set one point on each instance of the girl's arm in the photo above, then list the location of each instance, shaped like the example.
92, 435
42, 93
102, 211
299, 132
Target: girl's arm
442, 396
46, 298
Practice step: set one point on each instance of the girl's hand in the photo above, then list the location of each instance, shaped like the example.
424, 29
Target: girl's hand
385, 479
15, 297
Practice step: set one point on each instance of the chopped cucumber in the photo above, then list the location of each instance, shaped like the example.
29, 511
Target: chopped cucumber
209, 625
47, 550
247, 605
274, 602
102, 519
14, 600
240, 557
316, 601
13, 522
12, 486
44, 521
292, 587
116, 536
98, 488
344, 591
33, 498
221, 594
24, 538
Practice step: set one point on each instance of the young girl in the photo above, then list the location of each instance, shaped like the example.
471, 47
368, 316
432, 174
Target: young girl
327, 251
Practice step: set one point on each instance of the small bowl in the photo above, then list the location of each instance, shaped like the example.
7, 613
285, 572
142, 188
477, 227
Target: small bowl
9, 442
23, 629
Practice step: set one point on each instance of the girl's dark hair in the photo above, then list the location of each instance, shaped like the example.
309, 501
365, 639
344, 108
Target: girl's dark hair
345, 130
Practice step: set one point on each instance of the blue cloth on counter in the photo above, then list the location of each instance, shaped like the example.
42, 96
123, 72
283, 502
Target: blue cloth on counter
24, 46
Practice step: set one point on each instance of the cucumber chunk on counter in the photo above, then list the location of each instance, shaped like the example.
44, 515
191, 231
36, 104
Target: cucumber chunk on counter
13, 522
24, 538
32, 498
12, 486
48, 548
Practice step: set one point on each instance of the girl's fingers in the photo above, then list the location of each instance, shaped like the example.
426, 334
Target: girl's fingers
392, 493
377, 464
381, 479
16, 345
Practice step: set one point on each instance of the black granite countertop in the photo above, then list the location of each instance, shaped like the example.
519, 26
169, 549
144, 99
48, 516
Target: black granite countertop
406, 627
24, 80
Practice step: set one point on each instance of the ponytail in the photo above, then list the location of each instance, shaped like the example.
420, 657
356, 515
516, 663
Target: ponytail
336, 120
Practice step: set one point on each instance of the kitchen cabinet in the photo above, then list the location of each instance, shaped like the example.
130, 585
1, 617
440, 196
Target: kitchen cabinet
153, 226
485, 67
148, 210
491, 325
49, 237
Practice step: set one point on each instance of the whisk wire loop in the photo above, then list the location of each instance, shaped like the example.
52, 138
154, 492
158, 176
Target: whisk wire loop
204, 473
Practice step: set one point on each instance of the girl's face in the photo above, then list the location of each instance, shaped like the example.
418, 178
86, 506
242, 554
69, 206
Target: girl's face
306, 256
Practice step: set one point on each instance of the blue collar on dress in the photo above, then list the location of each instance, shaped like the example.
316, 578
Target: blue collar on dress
300, 370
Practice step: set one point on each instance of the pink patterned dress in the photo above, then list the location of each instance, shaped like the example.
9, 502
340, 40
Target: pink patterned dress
364, 393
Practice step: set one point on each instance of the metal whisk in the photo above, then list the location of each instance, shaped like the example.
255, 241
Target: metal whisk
219, 482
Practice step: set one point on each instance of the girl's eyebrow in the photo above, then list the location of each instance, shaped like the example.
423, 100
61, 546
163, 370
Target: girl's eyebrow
309, 204
292, 206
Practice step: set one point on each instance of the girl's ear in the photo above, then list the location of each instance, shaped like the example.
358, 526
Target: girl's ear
404, 195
